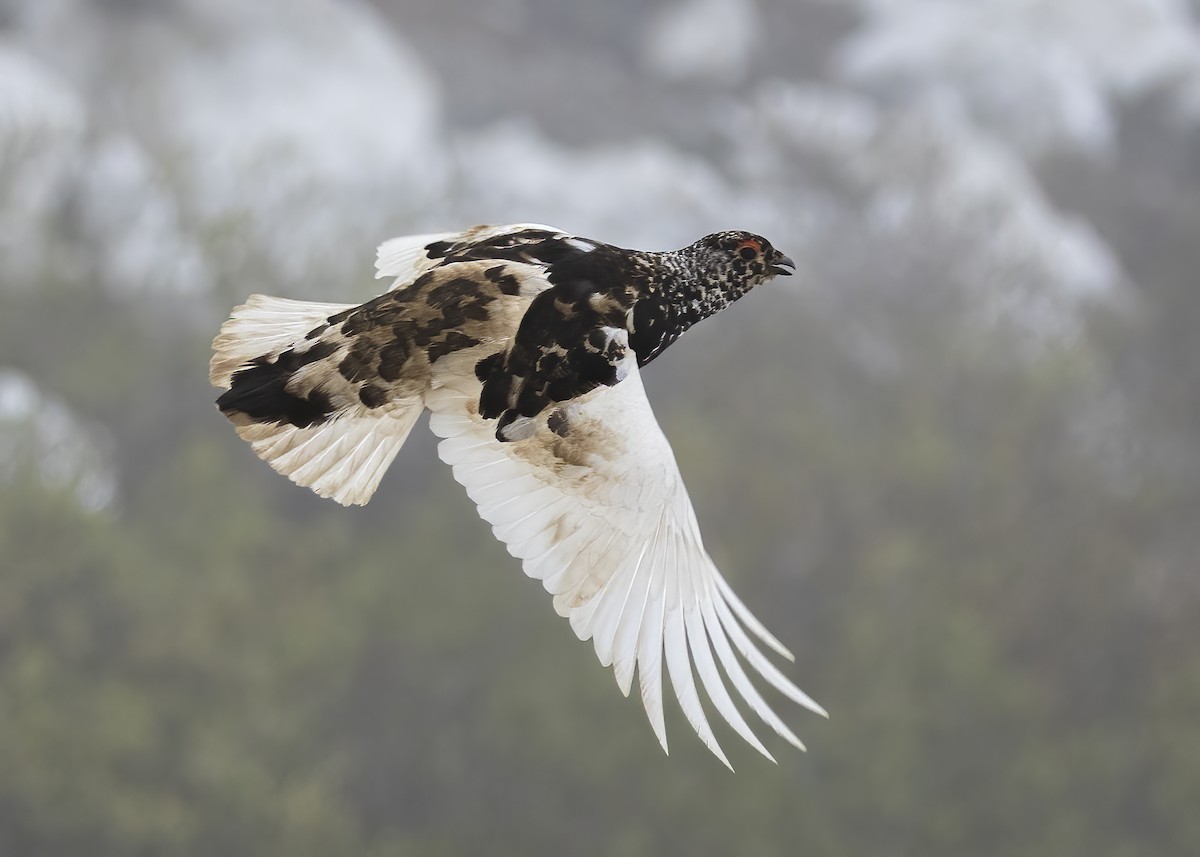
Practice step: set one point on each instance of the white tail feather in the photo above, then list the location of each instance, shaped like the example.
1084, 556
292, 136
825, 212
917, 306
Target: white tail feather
343, 459
259, 326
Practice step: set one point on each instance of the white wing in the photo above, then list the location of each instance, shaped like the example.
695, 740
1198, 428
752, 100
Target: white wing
601, 517
405, 258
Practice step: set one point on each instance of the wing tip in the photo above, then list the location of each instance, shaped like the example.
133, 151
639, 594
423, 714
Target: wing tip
660, 730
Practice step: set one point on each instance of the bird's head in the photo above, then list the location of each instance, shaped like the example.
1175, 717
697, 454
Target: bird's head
741, 259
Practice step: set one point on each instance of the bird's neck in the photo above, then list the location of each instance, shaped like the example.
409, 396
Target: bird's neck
695, 288
678, 291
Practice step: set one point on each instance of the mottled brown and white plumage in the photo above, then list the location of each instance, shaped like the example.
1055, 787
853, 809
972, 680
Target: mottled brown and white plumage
526, 344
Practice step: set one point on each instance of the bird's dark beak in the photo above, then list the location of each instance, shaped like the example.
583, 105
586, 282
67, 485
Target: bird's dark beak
783, 265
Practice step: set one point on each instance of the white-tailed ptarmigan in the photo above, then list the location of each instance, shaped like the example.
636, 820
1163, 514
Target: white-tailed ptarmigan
526, 344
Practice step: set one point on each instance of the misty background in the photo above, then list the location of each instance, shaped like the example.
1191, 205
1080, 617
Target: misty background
954, 464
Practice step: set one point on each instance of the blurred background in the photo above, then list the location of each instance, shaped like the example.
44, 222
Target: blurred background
954, 464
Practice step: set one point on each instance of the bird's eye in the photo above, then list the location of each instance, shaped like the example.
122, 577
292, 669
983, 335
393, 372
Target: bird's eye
748, 248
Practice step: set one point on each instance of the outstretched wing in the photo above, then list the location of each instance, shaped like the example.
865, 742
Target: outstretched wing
592, 502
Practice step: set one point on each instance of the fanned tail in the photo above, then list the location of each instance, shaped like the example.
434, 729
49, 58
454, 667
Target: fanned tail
276, 361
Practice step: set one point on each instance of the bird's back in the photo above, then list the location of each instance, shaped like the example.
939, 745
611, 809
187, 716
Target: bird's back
327, 393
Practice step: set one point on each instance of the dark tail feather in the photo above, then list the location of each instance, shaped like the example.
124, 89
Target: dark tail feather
260, 390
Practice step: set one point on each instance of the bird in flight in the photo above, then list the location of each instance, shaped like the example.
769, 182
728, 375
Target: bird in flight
526, 344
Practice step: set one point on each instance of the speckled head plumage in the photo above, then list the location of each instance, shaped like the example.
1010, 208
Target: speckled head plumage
737, 259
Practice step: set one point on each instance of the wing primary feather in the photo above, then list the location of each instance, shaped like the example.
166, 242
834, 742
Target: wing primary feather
741, 681
650, 652
629, 626
679, 665
616, 598
749, 619
760, 663
706, 668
